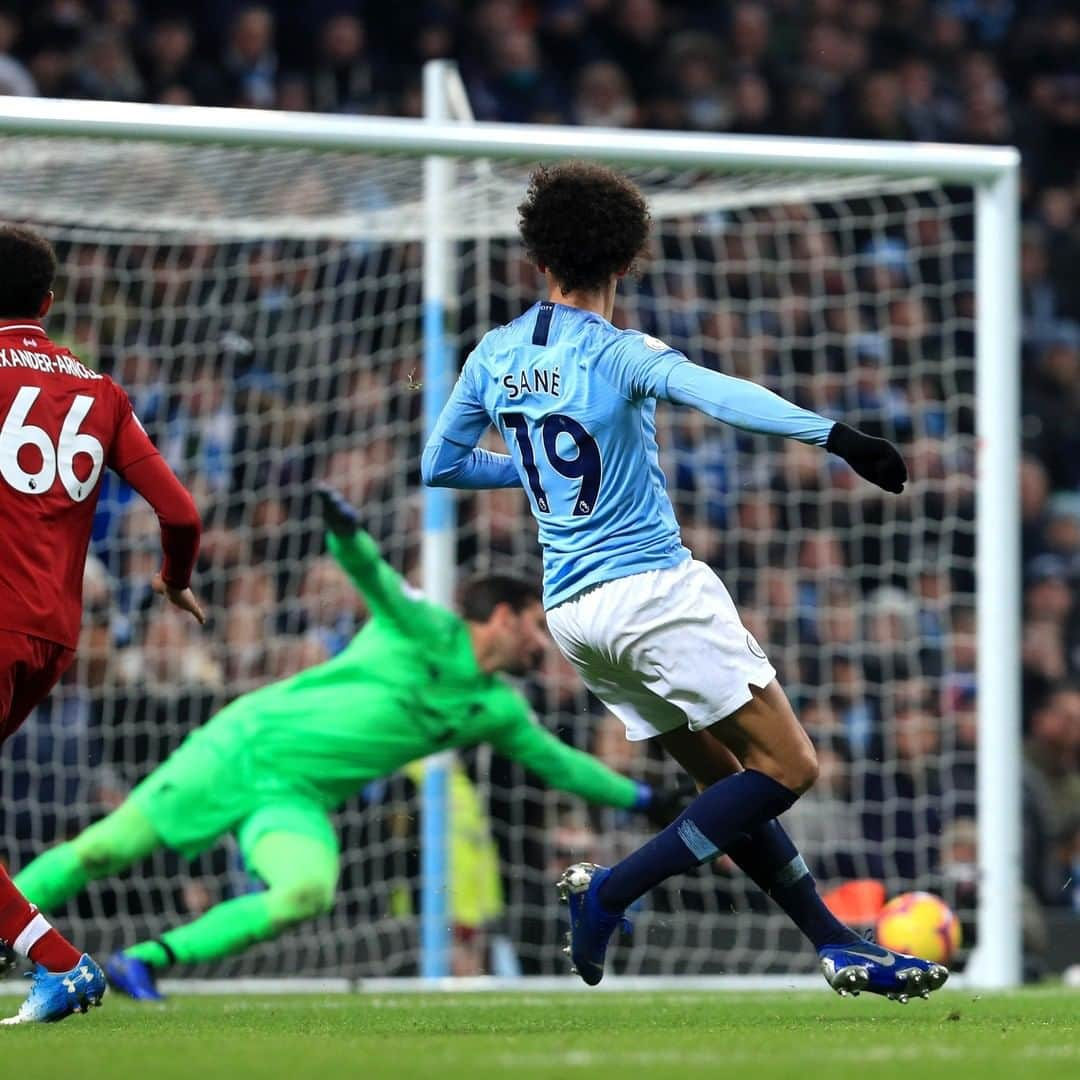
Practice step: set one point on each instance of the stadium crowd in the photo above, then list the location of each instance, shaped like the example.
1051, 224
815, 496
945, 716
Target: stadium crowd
872, 633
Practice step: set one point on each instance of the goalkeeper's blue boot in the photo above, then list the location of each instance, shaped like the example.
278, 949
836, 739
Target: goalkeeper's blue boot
849, 969
132, 977
591, 926
55, 995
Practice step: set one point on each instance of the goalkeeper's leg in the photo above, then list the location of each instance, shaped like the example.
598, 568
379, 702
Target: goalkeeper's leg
105, 848
297, 860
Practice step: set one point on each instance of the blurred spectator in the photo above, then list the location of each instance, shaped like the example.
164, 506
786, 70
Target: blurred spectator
701, 91
1053, 749
927, 114
517, 88
748, 43
14, 78
343, 79
107, 70
900, 800
329, 606
880, 113
751, 106
293, 94
604, 97
171, 67
250, 60
633, 33
171, 655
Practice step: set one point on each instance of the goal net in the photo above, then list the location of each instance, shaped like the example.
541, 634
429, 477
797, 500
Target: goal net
263, 308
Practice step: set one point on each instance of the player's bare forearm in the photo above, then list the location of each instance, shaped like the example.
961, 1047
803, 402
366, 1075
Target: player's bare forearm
448, 464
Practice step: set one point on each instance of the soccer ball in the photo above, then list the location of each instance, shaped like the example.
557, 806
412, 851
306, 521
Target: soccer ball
920, 924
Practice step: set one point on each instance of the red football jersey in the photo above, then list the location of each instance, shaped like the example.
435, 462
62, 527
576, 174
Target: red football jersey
61, 424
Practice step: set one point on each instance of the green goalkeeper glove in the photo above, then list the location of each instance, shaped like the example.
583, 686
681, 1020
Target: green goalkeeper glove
661, 805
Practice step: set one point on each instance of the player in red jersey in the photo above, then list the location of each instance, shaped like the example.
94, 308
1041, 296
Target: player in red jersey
61, 424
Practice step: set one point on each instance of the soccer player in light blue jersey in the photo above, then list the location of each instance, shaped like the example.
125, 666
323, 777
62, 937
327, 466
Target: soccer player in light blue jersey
653, 633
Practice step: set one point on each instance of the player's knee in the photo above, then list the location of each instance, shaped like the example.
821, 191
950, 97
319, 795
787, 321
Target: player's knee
305, 900
98, 855
802, 769
796, 767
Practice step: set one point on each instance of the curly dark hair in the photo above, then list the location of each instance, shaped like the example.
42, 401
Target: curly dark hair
583, 222
27, 271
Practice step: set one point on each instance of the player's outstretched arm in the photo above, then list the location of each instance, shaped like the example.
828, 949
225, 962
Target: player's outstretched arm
751, 407
566, 769
382, 587
451, 457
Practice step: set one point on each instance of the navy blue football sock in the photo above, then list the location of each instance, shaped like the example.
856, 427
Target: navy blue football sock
720, 815
774, 864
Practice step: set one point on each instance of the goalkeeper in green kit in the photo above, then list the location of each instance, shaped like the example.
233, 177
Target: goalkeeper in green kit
271, 766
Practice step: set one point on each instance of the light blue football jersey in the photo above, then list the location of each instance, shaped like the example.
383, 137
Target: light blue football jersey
575, 400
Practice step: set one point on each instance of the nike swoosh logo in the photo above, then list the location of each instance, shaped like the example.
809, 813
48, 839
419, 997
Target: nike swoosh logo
884, 958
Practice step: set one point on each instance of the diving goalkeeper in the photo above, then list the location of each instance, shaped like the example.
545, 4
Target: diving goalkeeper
271, 766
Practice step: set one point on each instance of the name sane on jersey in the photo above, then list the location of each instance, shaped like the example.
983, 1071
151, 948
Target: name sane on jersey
532, 381
36, 361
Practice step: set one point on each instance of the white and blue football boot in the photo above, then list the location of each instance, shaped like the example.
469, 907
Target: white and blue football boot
863, 965
591, 926
55, 995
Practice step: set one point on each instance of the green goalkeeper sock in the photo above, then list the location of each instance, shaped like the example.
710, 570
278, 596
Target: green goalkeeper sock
150, 952
226, 929
53, 877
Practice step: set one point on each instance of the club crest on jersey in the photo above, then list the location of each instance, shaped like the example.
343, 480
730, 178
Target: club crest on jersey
532, 381
654, 343
754, 647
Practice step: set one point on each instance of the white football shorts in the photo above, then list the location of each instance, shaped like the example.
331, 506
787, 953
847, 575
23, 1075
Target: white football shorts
662, 649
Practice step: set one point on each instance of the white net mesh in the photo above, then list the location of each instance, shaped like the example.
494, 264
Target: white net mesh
263, 309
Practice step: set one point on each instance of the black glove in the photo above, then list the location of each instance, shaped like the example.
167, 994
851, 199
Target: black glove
338, 513
876, 460
662, 805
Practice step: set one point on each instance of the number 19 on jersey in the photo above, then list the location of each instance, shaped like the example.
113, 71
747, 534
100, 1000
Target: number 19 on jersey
586, 467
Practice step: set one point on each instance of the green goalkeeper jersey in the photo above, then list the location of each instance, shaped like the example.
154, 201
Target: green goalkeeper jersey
407, 685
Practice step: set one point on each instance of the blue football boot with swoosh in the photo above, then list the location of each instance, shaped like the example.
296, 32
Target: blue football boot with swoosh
852, 968
591, 925
132, 977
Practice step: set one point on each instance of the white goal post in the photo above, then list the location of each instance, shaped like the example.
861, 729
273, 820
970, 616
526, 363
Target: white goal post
815, 167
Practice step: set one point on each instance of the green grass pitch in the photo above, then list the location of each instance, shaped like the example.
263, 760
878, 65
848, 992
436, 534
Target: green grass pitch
594, 1035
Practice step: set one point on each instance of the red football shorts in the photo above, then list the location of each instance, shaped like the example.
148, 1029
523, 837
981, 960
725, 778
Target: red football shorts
29, 668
